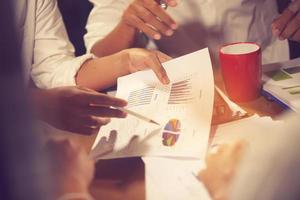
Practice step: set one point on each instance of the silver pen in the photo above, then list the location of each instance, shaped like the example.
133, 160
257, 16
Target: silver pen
137, 115
163, 4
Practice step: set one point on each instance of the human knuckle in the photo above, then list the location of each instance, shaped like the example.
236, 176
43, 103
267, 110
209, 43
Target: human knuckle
139, 24
148, 16
151, 4
131, 7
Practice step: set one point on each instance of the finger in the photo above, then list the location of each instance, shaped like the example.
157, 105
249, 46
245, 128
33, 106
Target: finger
139, 24
100, 111
150, 19
94, 121
162, 57
223, 148
88, 98
172, 3
100, 121
281, 22
291, 28
236, 149
154, 63
296, 36
159, 12
294, 6
86, 130
215, 156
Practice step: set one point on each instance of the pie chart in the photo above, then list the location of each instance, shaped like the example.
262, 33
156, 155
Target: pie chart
171, 132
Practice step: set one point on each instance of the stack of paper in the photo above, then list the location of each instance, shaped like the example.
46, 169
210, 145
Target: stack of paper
282, 81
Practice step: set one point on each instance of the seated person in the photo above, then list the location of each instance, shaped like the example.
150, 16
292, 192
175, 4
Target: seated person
49, 58
29, 169
270, 172
184, 27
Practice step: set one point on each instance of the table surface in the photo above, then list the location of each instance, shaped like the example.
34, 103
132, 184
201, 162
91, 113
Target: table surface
125, 178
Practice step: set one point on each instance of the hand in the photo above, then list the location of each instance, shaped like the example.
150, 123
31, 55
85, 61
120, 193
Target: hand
77, 109
221, 168
148, 17
140, 59
287, 25
71, 169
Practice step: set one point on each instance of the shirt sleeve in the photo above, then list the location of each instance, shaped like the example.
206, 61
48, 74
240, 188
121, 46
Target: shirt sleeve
54, 62
103, 18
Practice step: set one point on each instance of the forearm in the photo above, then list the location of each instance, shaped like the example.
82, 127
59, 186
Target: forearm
101, 73
122, 37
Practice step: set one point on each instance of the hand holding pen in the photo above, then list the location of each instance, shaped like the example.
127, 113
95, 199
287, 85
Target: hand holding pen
151, 18
287, 25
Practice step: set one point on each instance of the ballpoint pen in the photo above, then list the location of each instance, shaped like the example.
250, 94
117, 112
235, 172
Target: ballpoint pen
163, 4
137, 115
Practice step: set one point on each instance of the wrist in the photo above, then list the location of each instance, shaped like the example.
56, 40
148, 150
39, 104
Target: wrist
123, 25
125, 62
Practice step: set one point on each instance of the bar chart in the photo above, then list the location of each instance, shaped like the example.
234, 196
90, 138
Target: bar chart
181, 92
141, 97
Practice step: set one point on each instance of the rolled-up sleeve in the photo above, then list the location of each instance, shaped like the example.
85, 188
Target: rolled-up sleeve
54, 62
103, 18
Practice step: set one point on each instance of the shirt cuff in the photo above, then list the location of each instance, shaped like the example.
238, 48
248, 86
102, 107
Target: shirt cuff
78, 62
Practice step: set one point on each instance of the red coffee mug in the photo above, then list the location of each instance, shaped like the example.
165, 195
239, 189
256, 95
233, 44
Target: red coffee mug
241, 69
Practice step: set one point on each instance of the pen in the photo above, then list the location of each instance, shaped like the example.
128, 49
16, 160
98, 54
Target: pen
137, 115
163, 4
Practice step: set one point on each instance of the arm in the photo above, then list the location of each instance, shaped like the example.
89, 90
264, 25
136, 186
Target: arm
141, 15
105, 35
55, 65
122, 37
120, 64
75, 109
70, 168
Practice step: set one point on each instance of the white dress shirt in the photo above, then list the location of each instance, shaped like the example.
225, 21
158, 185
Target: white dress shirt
48, 55
201, 23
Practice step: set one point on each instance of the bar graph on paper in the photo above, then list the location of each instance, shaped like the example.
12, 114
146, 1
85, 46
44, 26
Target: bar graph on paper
181, 92
141, 97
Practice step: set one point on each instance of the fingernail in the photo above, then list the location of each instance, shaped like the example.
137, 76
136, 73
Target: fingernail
174, 26
166, 80
125, 103
157, 36
169, 32
124, 114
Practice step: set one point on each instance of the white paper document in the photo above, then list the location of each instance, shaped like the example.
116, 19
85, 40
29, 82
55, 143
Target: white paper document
252, 130
282, 81
174, 179
183, 109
